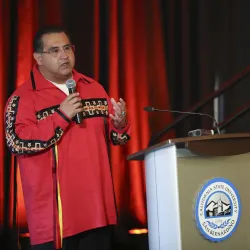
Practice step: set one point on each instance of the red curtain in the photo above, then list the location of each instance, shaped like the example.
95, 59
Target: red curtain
136, 72
4, 18
30, 17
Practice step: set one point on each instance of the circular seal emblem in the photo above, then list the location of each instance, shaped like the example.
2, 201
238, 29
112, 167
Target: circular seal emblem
217, 209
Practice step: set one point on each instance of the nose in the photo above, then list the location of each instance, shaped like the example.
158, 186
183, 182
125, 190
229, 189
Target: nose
63, 54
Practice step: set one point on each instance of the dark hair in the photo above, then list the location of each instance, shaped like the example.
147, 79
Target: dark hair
38, 43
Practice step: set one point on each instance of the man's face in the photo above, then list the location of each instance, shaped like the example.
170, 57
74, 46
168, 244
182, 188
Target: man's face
61, 59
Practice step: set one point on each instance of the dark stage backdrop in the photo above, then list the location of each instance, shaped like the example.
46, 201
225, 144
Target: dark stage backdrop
207, 43
164, 53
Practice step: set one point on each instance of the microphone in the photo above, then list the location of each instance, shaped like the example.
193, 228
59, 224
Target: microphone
152, 109
71, 85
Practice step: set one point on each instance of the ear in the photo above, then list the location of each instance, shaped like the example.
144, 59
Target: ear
38, 58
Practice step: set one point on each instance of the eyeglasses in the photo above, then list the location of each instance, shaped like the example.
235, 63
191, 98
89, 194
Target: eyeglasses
56, 51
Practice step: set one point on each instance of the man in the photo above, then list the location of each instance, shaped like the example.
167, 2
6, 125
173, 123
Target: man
64, 166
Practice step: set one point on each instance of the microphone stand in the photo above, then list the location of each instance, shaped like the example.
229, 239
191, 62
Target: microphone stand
185, 115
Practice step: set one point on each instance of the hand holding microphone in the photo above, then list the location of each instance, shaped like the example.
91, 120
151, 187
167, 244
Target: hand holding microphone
72, 106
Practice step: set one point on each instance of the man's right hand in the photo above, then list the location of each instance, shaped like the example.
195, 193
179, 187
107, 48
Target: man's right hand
71, 105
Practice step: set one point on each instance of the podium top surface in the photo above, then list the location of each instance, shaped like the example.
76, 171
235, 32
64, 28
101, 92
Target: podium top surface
212, 145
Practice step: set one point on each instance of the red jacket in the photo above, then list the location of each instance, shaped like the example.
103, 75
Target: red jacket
64, 167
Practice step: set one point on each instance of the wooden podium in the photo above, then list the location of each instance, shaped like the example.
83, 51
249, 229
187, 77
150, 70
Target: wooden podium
198, 192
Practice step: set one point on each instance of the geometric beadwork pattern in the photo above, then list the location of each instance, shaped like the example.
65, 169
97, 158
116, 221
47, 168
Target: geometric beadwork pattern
18, 145
42, 114
95, 107
119, 139
92, 108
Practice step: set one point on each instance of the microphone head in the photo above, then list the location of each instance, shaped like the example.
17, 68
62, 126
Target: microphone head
71, 84
149, 109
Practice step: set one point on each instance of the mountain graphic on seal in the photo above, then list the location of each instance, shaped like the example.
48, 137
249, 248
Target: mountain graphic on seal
218, 208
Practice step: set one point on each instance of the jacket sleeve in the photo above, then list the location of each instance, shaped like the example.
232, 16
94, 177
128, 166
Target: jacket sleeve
25, 134
117, 136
